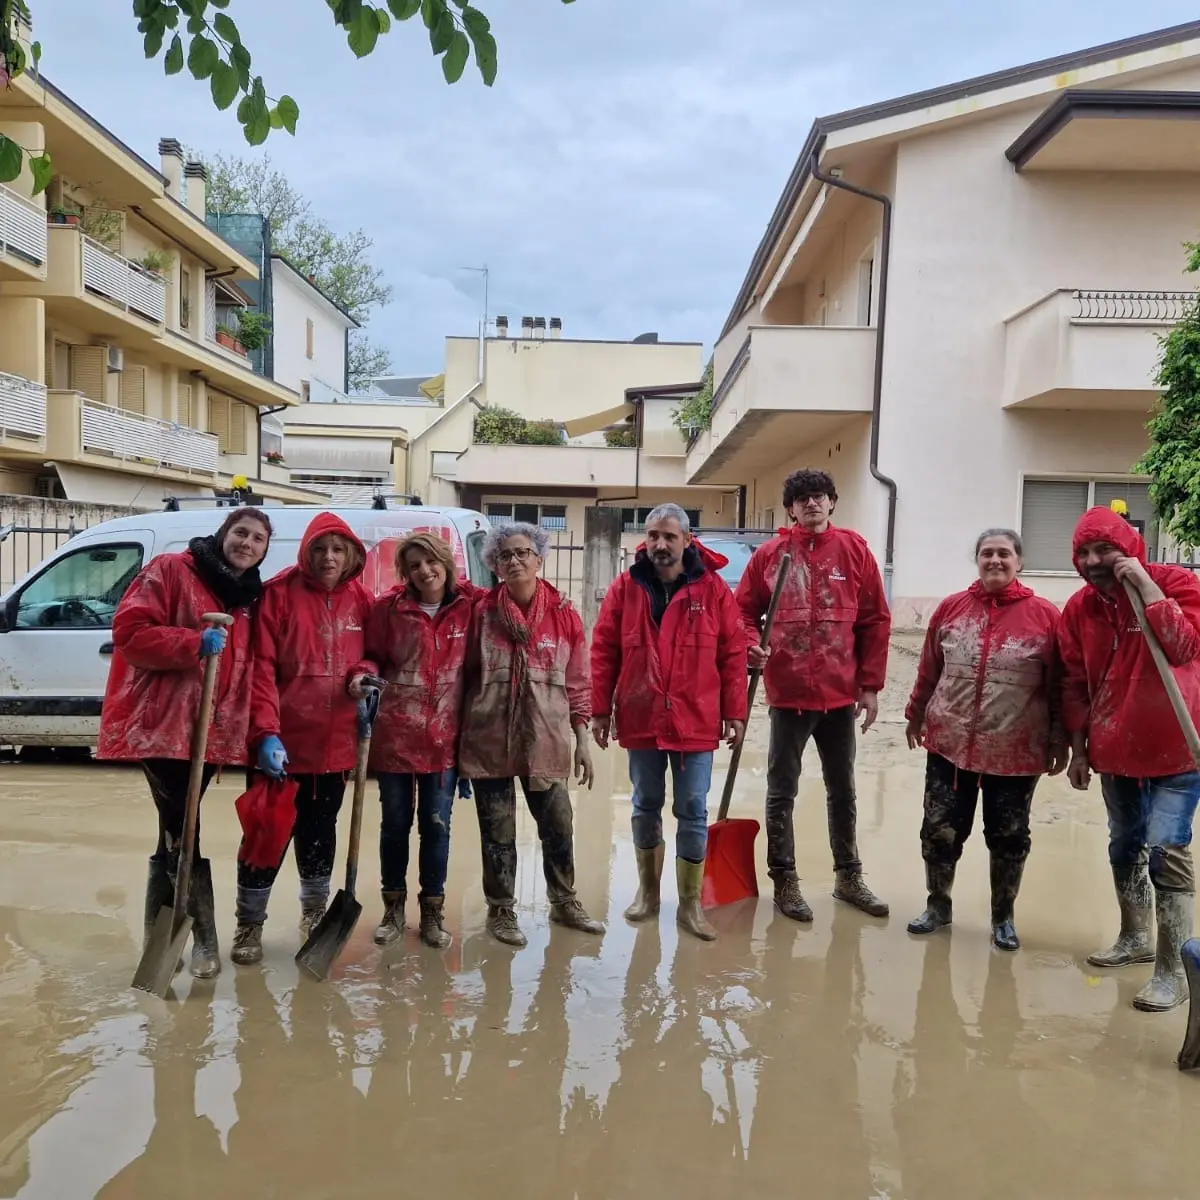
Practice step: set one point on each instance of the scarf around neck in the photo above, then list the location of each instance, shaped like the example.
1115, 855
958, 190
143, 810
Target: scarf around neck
234, 591
520, 627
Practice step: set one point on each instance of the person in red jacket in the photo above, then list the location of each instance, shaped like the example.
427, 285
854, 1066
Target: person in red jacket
309, 664
1121, 724
825, 666
527, 689
669, 663
417, 633
987, 707
153, 694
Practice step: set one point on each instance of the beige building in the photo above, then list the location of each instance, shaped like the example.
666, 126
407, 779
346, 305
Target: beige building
1012, 247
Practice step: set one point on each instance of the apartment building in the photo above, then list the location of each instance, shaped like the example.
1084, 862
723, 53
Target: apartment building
1011, 247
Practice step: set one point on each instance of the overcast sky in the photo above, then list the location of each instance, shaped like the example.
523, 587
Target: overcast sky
620, 172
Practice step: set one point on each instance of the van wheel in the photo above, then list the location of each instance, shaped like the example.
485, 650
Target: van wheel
36, 754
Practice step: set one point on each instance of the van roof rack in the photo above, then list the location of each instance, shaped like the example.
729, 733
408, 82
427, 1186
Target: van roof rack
380, 499
236, 499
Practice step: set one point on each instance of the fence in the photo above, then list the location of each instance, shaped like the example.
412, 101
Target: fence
564, 565
31, 529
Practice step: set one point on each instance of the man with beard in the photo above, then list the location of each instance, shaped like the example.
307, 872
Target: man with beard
1121, 724
669, 670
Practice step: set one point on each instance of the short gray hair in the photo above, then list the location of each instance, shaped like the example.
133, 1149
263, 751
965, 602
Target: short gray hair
539, 539
1012, 535
669, 512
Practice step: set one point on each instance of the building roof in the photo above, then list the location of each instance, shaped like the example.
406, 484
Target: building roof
307, 282
408, 386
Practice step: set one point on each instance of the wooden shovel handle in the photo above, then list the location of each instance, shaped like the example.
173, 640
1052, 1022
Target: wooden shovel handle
368, 707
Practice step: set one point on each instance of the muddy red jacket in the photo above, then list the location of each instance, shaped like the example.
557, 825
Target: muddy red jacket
830, 638
669, 686
308, 644
1111, 688
154, 681
988, 688
559, 695
422, 658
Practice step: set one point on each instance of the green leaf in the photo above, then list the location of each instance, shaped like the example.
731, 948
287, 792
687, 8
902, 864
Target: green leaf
224, 85
195, 25
431, 10
153, 43
258, 128
385, 22
227, 29
404, 10
364, 32
36, 50
10, 159
442, 34
475, 21
245, 110
203, 57
346, 12
173, 63
289, 110
485, 57
456, 57
276, 119
43, 171
219, 3
239, 56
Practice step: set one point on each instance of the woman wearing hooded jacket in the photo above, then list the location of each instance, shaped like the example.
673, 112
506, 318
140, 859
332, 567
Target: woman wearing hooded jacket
987, 708
153, 694
308, 674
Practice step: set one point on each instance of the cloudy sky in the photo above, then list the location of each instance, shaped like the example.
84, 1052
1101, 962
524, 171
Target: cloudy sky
620, 172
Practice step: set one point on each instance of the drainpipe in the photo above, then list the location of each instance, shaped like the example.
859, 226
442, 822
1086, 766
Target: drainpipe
885, 249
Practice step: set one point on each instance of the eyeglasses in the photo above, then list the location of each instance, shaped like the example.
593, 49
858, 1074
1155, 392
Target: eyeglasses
523, 554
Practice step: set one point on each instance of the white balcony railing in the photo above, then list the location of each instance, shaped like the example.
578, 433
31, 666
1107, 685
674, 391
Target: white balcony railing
128, 284
22, 408
130, 436
22, 226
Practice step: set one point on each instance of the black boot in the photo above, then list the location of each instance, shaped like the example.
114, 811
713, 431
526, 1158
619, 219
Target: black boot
159, 895
1189, 1055
939, 879
206, 955
1006, 882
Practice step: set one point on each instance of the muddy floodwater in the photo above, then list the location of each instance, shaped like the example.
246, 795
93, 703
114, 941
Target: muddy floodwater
842, 1060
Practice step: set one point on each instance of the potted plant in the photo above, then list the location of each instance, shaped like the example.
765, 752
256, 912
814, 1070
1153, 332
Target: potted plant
64, 214
228, 338
274, 457
253, 329
158, 262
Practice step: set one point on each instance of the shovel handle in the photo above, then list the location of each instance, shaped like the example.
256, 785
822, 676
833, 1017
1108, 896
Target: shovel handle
368, 706
785, 564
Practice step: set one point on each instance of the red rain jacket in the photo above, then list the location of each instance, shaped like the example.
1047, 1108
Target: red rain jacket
830, 639
1111, 688
308, 644
988, 685
673, 683
154, 681
421, 657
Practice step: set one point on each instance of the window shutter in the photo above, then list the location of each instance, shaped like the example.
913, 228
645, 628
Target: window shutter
308, 338
238, 414
218, 420
1050, 510
89, 371
133, 390
184, 405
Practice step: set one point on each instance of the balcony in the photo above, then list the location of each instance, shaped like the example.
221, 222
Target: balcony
1091, 350
788, 385
22, 415
22, 237
559, 466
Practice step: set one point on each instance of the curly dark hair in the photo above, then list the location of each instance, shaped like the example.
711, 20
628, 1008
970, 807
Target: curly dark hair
808, 482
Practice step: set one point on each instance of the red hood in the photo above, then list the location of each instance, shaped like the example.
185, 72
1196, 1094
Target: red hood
320, 525
1101, 524
712, 560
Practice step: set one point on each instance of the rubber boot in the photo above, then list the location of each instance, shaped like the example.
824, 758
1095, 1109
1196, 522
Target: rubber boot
1167, 988
502, 925
160, 894
251, 916
648, 899
573, 915
1189, 1055
939, 908
1134, 899
851, 888
1006, 882
314, 897
206, 954
433, 933
788, 899
391, 928
689, 877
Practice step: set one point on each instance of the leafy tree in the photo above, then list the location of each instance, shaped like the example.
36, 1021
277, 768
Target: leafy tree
497, 426
366, 361
696, 412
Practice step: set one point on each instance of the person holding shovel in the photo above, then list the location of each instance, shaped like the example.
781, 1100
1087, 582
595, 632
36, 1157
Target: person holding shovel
309, 672
823, 668
1121, 723
152, 698
417, 633
528, 689
669, 669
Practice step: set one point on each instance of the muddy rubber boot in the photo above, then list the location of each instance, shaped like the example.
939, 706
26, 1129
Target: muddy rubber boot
1134, 899
206, 954
160, 894
391, 928
433, 932
648, 899
314, 897
1006, 882
1189, 1054
1168, 987
939, 908
572, 915
851, 888
689, 878
502, 925
251, 916
788, 899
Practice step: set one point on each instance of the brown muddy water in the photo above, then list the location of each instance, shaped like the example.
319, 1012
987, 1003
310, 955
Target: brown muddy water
842, 1060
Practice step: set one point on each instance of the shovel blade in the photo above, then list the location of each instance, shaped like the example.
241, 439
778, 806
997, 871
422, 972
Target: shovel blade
317, 956
729, 874
162, 954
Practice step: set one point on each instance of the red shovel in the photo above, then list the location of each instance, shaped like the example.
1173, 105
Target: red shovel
729, 873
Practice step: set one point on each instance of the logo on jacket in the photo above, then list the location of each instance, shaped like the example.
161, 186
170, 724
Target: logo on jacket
836, 573
547, 643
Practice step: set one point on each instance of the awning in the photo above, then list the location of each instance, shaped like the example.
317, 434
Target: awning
598, 421
434, 388
356, 454
92, 485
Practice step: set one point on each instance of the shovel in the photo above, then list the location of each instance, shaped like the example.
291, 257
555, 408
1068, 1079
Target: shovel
172, 926
729, 863
333, 931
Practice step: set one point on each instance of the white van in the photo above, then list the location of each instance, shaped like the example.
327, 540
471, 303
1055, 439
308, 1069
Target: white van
56, 624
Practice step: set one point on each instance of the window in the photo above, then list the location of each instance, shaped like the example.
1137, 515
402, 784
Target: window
554, 516
305, 391
634, 519
308, 337
79, 591
866, 290
227, 419
499, 512
1051, 508
479, 572
185, 298
548, 516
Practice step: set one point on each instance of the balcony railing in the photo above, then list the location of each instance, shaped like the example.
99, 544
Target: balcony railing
132, 437
22, 227
124, 282
1154, 307
22, 408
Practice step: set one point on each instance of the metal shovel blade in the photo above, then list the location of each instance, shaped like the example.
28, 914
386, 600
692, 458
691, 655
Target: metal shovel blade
729, 874
162, 954
328, 940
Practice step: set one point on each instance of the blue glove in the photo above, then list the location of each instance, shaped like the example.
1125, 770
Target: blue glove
212, 640
272, 757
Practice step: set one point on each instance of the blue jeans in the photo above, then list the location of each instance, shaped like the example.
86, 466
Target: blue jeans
1153, 815
434, 804
691, 775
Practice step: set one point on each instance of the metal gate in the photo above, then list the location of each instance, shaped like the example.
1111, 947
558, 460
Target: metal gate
31, 529
564, 565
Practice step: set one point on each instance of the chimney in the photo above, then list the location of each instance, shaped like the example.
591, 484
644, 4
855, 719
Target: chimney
539, 328
170, 152
196, 174
527, 327
502, 327
556, 327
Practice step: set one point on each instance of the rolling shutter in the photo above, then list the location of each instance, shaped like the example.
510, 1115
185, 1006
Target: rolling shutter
133, 390
89, 371
183, 406
1050, 510
227, 418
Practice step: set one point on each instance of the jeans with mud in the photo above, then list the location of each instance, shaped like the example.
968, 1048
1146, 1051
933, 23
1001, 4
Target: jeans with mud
431, 799
1152, 818
951, 797
314, 836
168, 780
833, 733
691, 775
496, 805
